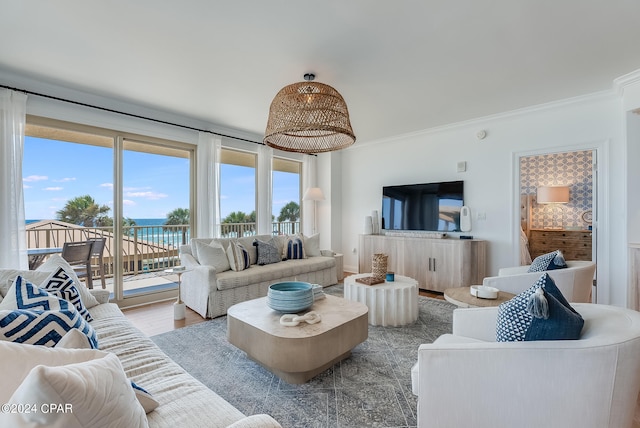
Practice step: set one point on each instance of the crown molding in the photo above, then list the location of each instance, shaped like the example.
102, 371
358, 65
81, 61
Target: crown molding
482, 121
622, 82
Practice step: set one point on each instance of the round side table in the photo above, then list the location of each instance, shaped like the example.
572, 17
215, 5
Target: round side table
179, 308
462, 297
390, 303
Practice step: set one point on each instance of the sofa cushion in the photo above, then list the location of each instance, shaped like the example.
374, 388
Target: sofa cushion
7, 276
56, 261
238, 256
60, 284
29, 314
550, 261
267, 252
539, 313
97, 393
213, 255
293, 248
311, 245
273, 272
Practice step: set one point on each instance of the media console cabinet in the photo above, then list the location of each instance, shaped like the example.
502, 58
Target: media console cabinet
437, 264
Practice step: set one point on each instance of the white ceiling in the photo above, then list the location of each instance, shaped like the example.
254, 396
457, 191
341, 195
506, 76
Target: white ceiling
402, 66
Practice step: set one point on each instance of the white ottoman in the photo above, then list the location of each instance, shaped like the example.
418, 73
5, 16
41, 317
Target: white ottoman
390, 303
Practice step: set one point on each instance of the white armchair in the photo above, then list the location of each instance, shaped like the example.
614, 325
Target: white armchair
466, 379
575, 282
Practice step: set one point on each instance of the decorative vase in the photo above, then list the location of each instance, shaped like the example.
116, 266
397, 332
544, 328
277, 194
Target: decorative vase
368, 225
379, 266
375, 222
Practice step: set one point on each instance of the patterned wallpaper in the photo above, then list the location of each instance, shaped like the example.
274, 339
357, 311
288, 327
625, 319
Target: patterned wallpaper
573, 169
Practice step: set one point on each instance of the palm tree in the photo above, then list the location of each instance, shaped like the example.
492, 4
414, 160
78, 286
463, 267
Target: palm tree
290, 212
238, 217
84, 211
127, 224
179, 217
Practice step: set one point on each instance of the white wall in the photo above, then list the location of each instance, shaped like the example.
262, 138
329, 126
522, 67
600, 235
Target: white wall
490, 179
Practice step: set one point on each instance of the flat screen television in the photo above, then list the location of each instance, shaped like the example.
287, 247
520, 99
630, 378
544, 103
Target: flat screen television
431, 207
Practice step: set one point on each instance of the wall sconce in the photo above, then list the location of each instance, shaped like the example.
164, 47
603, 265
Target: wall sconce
314, 194
553, 195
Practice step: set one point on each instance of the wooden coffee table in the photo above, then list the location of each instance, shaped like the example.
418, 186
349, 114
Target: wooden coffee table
296, 354
462, 297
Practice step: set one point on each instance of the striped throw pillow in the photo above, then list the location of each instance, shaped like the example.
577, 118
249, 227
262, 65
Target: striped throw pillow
238, 256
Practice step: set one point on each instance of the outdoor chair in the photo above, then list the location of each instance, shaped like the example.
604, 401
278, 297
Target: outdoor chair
78, 255
96, 254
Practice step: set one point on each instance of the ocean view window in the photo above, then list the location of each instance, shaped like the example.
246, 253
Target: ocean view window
286, 196
82, 183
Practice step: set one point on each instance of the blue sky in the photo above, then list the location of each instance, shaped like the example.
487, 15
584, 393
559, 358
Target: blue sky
55, 171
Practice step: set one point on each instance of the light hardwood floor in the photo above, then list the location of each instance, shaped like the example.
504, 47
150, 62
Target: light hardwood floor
157, 318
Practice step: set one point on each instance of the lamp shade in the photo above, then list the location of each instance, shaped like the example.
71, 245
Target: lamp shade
552, 195
313, 194
308, 117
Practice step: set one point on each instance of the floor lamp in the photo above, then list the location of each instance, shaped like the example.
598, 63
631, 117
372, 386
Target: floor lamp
314, 194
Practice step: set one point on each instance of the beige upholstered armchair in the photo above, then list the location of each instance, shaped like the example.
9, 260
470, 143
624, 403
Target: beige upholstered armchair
466, 379
575, 282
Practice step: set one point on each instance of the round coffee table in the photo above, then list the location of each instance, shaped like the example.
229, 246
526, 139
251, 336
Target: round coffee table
462, 297
390, 303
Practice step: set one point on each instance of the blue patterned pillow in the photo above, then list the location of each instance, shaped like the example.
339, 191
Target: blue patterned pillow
32, 315
267, 252
549, 261
238, 256
539, 313
43, 327
60, 284
293, 248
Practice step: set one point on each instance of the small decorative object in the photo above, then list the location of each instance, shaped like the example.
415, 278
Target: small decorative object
379, 266
391, 277
369, 280
375, 220
290, 296
292, 320
587, 216
368, 225
484, 292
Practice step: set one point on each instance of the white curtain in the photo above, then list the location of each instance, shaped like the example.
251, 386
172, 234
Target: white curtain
264, 190
208, 186
13, 238
309, 179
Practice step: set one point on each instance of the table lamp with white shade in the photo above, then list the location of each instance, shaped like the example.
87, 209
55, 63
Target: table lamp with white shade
553, 195
314, 194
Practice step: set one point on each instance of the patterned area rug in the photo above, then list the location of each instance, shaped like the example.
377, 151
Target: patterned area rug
372, 388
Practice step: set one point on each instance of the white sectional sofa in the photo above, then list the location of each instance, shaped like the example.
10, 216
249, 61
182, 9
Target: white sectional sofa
183, 401
210, 293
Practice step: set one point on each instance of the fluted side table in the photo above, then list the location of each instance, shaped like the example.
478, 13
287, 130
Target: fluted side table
390, 303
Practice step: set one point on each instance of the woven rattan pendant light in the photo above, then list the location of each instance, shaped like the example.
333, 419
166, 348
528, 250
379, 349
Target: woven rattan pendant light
308, 117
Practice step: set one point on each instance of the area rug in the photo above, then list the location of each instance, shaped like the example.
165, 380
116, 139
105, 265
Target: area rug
372, 388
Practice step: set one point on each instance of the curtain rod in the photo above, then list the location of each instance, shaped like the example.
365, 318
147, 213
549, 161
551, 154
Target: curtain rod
25, 91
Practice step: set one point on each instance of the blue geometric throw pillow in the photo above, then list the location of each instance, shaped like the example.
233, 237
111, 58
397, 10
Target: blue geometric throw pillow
293, 248
33, 315
43, 327
267, 252
549, 261
539, 313
60, 284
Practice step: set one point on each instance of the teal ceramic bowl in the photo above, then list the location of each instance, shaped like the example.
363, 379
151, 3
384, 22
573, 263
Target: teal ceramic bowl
290, 296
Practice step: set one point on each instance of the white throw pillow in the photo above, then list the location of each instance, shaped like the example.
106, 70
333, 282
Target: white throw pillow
56, 261
94, 393
18, 359
7, 276
312, 245
74, 339
213, 255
